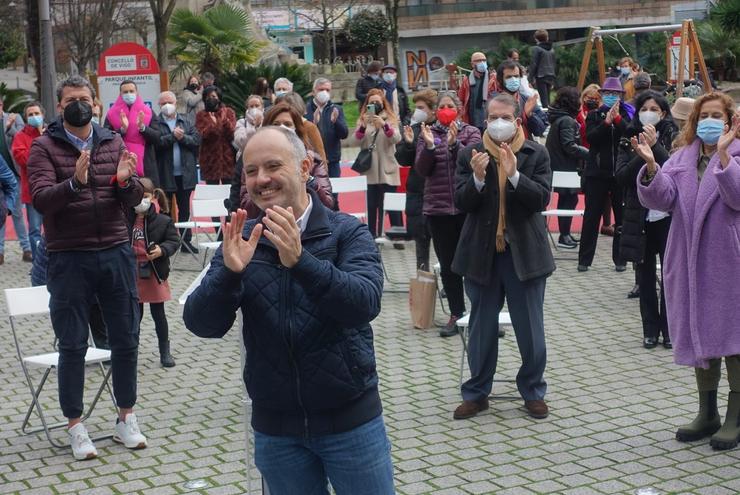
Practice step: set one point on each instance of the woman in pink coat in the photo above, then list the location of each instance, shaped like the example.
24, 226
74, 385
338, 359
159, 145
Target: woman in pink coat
700, 187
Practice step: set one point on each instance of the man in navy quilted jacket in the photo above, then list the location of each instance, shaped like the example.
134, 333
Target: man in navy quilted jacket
308, 281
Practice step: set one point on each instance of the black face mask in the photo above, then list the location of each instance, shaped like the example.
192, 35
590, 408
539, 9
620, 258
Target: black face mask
211, 105
592, 104
78, 113
192, 87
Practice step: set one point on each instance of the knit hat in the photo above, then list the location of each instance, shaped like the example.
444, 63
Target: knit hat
682, 108
612, 84
641, 80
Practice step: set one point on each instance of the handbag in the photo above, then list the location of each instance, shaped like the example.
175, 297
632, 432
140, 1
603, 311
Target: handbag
364, 159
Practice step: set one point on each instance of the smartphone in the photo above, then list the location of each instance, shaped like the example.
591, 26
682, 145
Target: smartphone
371, 109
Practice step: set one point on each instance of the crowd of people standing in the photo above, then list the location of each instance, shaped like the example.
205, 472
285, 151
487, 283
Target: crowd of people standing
477, 184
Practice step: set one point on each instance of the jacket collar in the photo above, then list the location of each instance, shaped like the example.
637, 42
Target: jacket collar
100, 134
318, 222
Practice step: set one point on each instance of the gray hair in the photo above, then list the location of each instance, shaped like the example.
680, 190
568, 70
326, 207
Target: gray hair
319, 81
506, 100
451, 95
75, 81
296, 144
294, 100
280, 80
167, 93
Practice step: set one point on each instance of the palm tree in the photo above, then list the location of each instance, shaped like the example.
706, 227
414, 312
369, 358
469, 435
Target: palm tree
727, 13
719, 46
217, 41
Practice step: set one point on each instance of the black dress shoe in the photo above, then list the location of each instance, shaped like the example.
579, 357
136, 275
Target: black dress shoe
620, 268
667, 343
649, 342
634, 293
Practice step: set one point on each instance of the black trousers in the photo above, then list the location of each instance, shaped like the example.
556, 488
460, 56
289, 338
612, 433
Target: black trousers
544, 85
652, 309
418, 227
375, 213
76, 280
597, 189
567, 200
182, 197
160, 320
446, 232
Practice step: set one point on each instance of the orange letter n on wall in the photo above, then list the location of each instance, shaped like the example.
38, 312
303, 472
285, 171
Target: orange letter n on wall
416, 68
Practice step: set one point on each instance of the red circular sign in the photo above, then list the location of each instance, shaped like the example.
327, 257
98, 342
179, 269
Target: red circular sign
124, 59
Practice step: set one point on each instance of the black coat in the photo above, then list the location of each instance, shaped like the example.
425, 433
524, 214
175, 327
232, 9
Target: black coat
629, 163
563, 142
160, 230
525, 227
604, 142
364, 85
188, 155
405, 156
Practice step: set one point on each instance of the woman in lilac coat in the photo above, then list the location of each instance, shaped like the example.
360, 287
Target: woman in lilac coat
700, 187
436, 159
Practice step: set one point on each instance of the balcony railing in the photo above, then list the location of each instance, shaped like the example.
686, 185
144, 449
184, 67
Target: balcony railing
427, 7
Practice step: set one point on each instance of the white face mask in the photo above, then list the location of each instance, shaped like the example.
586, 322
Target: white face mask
168, 109
323, 96
419, 116
143, 207
501, 130
649, 118
254, 112
289, 128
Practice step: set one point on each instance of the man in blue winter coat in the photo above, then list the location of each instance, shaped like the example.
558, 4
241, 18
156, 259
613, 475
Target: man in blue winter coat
308, 282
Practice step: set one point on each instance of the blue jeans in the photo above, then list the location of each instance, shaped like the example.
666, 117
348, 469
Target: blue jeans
20, 228
356, 462
34, 227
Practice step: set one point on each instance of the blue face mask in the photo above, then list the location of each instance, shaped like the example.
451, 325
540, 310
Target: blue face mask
709, 130
129, 98
625, 71
512, 84
36, 121
375, 77
481, 67
610, 100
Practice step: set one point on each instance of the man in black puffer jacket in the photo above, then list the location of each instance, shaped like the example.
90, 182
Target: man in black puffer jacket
308, 281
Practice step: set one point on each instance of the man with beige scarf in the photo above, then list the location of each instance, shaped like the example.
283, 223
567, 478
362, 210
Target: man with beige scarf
503, 184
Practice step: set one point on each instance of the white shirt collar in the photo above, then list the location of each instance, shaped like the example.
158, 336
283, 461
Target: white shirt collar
302, 221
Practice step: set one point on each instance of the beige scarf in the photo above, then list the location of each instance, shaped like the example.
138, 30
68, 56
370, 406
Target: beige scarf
495, 151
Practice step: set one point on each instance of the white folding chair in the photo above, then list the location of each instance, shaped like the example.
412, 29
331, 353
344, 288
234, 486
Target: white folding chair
463, 327
569, 180
354, 184
392, 202
206, 208
211, 193
34, 302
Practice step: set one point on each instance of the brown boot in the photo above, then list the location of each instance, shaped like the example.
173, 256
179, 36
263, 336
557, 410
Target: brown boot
470, 408
27, 256
537, 408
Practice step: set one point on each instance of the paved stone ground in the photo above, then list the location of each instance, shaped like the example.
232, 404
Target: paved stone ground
614, 407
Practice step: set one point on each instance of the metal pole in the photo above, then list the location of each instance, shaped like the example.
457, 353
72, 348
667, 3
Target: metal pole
48, 65
641, 29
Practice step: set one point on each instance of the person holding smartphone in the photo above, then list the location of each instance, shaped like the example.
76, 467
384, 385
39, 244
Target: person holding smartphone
379, 124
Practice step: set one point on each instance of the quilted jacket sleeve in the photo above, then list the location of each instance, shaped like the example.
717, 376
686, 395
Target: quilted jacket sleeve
351, 289
211, 309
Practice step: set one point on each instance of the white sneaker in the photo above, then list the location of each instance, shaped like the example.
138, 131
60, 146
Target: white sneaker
82, 446
128, 433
